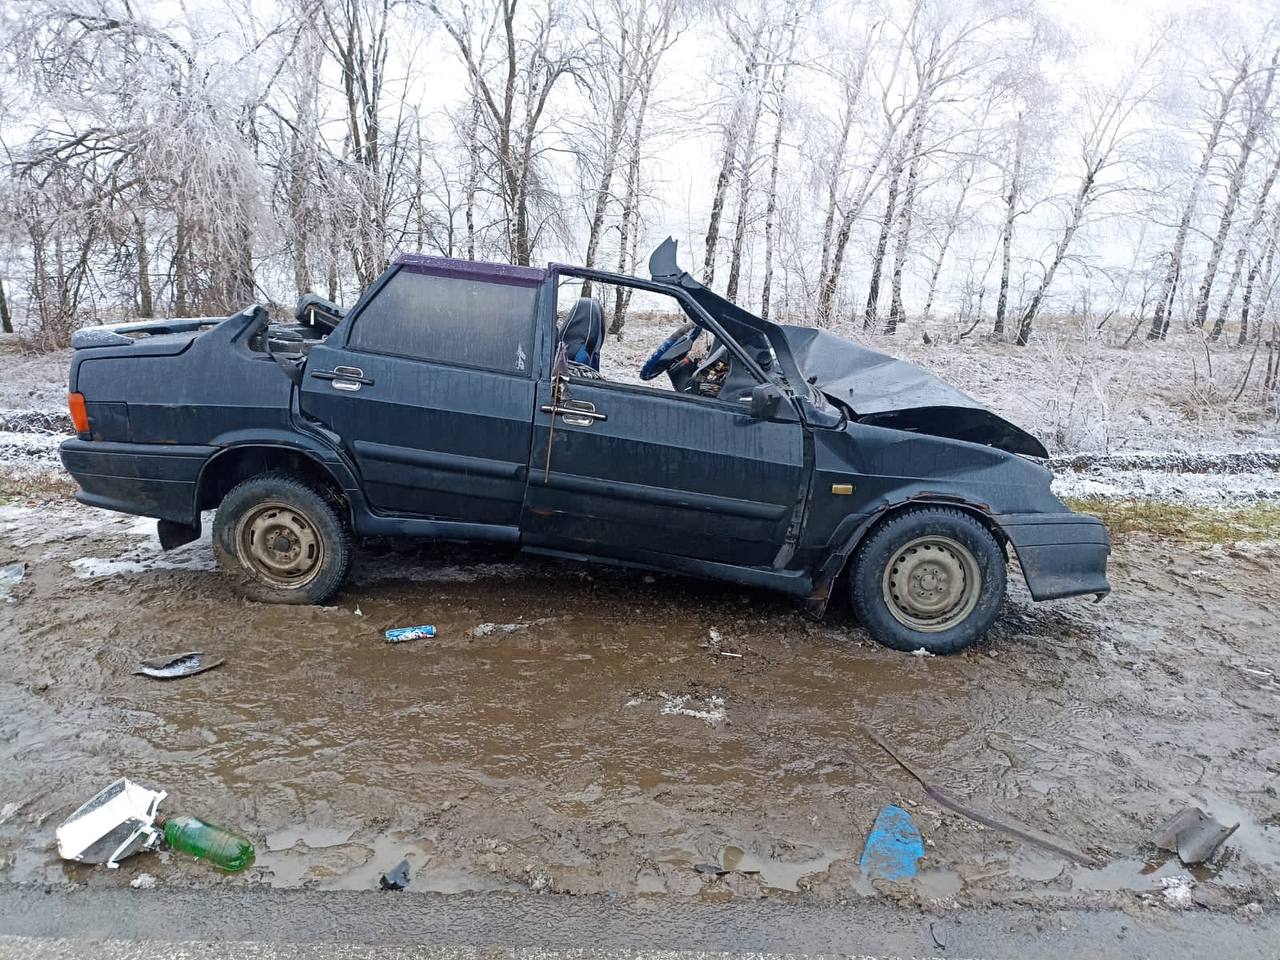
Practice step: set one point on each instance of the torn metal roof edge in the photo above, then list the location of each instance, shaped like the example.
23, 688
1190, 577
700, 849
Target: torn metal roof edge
479, 269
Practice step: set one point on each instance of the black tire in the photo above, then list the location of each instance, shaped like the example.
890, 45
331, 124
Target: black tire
932, 578
282, 539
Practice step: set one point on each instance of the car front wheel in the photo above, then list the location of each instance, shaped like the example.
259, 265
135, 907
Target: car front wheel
931, 579
284, 540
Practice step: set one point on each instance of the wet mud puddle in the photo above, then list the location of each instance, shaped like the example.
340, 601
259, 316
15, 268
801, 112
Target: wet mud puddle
583, 731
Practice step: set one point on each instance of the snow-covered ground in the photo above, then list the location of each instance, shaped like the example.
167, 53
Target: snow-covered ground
1145, 421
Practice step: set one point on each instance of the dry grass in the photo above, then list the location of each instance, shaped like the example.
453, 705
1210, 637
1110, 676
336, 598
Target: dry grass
47, 485
1189, 524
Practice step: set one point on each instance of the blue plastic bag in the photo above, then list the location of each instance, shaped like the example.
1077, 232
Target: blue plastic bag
893, 846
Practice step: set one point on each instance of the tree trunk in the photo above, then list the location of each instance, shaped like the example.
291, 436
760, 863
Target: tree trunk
1247, 299
827, 262
39, 275
827, 292
882, 244
1265, 262
1059, 254
748, 146
181, 271
833, 188
612, 144
473, 172
1259, 211
953, 224
1164, 303
717, 211
1006, 233
771, 204
146, 307
853, 208
6, 321
631, 206
896, 312
731, 135
1233, 195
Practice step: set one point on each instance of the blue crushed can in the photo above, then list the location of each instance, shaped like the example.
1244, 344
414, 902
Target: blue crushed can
405, 634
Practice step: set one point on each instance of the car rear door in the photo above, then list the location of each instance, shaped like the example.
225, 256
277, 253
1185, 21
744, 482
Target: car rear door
640, 473
428, 383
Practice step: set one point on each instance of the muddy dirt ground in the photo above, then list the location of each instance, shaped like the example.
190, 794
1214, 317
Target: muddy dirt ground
580, 730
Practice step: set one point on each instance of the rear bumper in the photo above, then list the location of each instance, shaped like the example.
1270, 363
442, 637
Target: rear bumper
147, 479
1061, 554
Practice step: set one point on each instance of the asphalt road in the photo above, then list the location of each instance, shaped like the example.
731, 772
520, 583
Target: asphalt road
111, 924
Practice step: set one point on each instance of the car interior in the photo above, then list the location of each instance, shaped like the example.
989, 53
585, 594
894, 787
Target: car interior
690, 359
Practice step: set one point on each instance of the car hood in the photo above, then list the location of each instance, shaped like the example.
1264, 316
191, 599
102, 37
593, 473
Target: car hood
888, 392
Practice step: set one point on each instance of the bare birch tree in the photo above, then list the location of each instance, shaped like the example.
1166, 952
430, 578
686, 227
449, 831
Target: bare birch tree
748, 87
1246, 239
633, 36
1225, 97
514, 90
1108, 144
1258, 112
775, 153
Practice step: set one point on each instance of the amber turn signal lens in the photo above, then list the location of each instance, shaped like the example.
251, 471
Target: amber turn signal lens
79, 415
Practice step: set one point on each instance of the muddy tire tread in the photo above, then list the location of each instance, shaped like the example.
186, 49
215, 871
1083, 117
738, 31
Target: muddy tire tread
875, 551
325, 508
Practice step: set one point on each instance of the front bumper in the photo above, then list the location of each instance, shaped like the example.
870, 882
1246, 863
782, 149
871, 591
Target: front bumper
1061, 554
147, 479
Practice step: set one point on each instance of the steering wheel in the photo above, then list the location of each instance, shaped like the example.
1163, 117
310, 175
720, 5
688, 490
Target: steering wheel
671, 351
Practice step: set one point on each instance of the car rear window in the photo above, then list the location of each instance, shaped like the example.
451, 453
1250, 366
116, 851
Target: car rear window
450, 320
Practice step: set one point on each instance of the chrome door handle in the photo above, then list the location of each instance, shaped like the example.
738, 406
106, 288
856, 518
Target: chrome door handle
579, 413
348, 374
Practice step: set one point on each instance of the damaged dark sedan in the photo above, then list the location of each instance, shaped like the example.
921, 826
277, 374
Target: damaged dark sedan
464, 400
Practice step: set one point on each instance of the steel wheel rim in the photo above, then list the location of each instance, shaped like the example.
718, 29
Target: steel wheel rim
280, 544
932, 583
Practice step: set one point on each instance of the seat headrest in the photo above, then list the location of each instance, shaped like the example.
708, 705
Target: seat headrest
583, 332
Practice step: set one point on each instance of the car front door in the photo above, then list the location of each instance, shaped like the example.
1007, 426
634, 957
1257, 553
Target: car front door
640, 473
429, 385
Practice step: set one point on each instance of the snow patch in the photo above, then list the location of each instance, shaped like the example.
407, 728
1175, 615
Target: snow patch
709, 709
485, 629
91, 568
1176, 891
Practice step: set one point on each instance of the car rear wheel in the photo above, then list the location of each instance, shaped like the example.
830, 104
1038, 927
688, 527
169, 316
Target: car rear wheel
282, 539
931, 579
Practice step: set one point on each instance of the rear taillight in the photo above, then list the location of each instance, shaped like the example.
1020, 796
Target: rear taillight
79, 415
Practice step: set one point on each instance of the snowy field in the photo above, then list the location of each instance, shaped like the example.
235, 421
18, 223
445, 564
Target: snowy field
1155, 422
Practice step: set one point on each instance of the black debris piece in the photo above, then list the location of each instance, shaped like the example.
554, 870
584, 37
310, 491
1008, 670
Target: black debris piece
397, 878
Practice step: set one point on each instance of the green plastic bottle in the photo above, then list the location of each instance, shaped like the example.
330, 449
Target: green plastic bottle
225, 850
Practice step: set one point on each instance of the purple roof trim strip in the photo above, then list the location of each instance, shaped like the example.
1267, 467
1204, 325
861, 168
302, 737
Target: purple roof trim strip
472, 270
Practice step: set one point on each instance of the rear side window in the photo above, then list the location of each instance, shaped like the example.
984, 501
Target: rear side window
451, 320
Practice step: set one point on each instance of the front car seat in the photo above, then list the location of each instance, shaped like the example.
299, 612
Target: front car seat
583, 333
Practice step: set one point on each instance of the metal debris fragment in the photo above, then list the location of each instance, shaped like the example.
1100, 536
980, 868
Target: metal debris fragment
396, 878
1193, 835
175, 665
